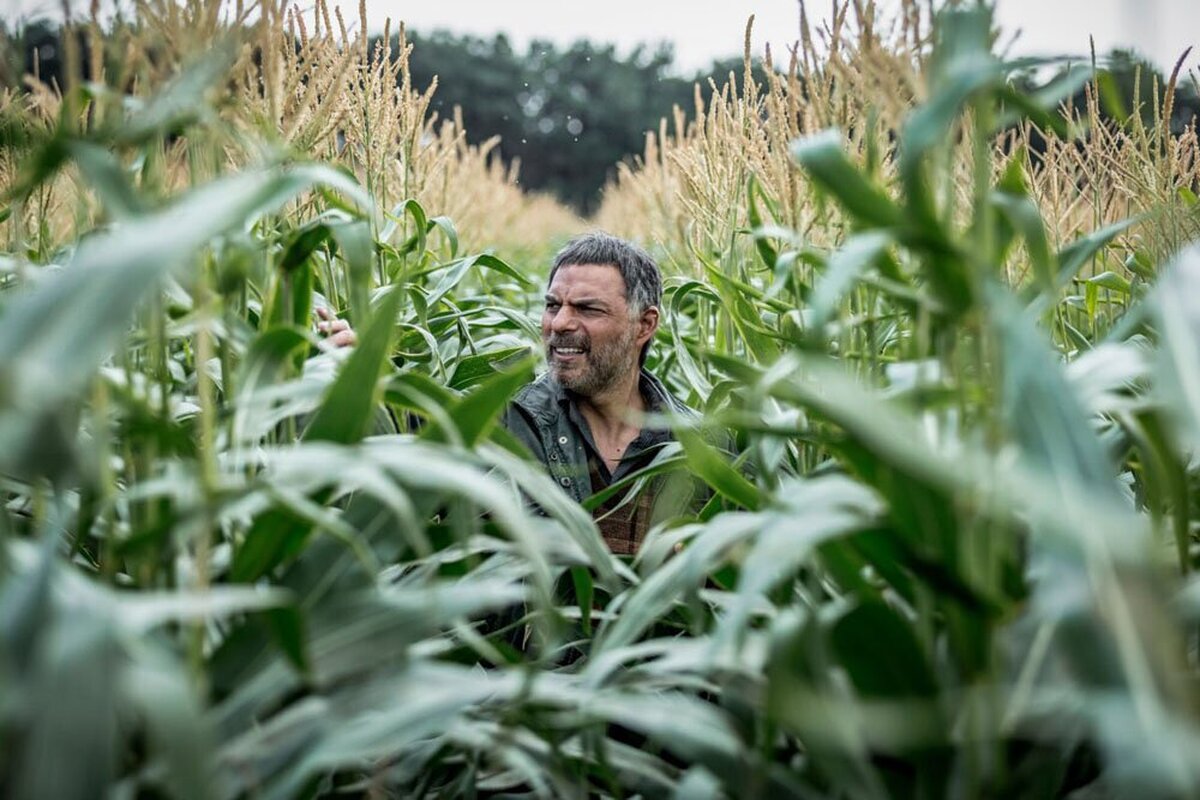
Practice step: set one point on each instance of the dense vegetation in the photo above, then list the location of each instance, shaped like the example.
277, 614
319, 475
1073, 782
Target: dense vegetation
569, 115
953, 556
566, 115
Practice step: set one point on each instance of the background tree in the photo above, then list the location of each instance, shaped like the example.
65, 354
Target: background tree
569, 115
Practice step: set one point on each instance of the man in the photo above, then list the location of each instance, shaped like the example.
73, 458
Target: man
584, 418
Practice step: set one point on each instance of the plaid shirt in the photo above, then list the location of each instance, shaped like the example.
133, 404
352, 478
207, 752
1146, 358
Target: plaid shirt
623, 520
546, 418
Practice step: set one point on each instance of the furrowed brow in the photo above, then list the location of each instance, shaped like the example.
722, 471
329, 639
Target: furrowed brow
582, 302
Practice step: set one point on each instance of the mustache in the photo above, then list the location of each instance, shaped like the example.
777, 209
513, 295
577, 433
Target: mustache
578, 340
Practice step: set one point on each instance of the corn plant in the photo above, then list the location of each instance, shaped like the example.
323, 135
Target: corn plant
951, 555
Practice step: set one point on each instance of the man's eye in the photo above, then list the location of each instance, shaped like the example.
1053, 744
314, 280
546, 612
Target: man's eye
553, 306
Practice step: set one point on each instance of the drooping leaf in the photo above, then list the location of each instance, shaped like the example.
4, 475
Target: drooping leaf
823, 158
73, 320
857, 255
1178, 363
345, 412
707, 463
475, 414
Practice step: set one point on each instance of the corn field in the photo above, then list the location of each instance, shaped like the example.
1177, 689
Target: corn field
949, 555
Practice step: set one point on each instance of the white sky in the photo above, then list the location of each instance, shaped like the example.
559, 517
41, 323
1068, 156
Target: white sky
705, 29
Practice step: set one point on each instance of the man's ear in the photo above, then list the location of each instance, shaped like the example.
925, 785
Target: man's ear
647, 325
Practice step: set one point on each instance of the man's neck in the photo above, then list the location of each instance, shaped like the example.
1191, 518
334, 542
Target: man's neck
613, 410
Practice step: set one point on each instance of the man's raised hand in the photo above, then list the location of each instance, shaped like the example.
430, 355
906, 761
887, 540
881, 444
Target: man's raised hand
338, 331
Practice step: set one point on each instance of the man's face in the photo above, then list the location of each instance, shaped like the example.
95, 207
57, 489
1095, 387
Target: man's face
591, 339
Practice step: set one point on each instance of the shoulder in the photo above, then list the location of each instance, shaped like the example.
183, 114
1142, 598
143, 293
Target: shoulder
529, 414
659, 395
536, 405
721, 438
538, 398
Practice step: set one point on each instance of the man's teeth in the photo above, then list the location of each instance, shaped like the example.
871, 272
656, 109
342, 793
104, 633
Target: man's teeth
568, 350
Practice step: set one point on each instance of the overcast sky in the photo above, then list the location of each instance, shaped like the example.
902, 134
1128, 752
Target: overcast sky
702, 30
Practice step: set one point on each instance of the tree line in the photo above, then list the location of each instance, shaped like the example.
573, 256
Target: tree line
571, 113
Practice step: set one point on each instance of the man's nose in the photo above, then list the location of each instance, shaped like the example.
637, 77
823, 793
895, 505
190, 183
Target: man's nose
563, 319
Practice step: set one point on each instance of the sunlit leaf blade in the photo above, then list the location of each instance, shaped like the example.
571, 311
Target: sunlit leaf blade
346, 410
266, 358
343, 417
1021, 212
1178, 367
961, 65
57, 333
856, 256
1045, 418
358, 250
107, 177
766, 251
822, 156
471, 370
893, 437
1072, 257
181, 101
813, 512
302, 246
706, 462
475, 415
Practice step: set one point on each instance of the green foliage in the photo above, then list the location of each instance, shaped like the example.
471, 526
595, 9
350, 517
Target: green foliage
946, 559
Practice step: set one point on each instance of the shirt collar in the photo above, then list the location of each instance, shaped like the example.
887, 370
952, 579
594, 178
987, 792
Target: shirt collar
651, 389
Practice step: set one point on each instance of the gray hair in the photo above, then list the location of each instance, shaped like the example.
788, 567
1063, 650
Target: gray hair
643, 281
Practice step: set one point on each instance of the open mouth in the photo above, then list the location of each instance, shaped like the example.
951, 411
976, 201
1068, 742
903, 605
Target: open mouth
566, 357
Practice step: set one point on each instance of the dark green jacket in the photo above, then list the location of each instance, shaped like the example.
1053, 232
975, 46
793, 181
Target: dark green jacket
545, 418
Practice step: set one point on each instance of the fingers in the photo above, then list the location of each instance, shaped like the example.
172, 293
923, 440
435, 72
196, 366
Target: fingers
343, 338
337, 332
332, 326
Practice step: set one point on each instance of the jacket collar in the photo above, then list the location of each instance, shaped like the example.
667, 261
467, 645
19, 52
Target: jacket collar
546, 398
